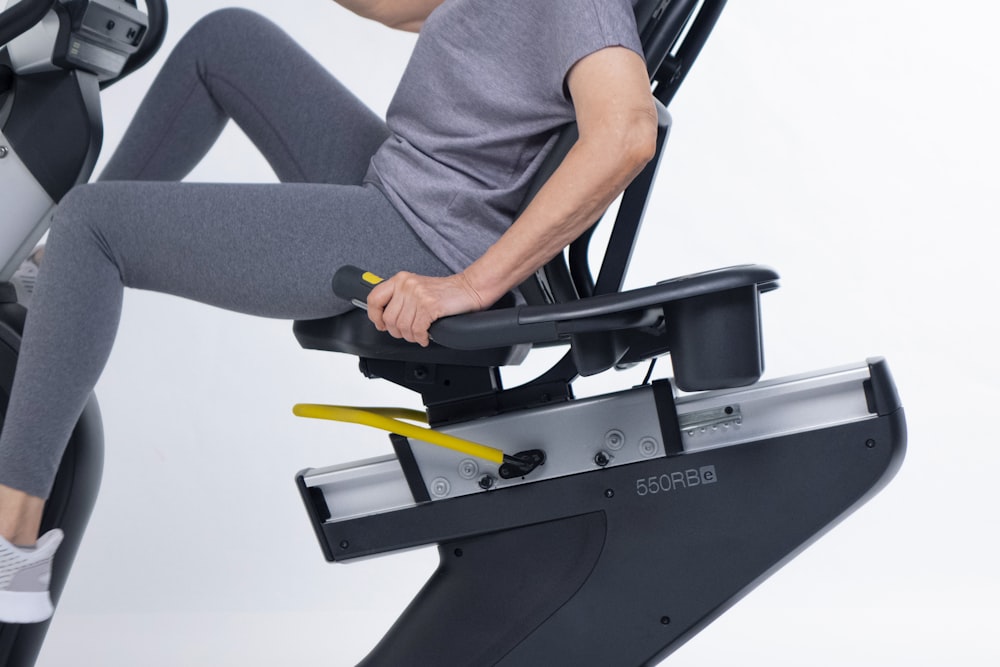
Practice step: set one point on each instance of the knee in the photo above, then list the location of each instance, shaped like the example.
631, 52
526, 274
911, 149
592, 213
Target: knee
78, 211
72, 206
222, 24
89, 220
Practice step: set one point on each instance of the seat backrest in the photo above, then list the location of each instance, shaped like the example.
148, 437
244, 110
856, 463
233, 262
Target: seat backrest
672, 33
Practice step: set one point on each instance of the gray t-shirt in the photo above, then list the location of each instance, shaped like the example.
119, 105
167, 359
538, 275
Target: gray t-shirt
478, 109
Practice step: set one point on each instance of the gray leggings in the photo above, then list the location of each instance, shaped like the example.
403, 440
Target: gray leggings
265, 249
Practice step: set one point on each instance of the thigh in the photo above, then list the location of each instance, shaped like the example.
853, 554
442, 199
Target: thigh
236, 64
262, 249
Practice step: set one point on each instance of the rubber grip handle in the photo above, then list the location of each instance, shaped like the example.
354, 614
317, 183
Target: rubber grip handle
354, 284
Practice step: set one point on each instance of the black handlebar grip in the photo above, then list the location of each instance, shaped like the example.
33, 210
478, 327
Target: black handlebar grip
350, 282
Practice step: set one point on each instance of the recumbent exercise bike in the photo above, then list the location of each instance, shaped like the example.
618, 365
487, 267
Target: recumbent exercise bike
607, 530
645, 513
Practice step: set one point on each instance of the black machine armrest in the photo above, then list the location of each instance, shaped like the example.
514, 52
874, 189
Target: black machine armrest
709, 322
631, 309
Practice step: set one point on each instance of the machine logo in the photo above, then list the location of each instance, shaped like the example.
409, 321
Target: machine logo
676, 481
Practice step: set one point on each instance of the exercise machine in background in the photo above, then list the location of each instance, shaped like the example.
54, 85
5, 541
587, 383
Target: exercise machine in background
55, 57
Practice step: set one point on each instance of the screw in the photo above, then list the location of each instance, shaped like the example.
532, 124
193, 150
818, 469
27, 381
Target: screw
665, 620
486, 483
440, 487
3, 152
602, 459
610, 493
345, 544
459, 553
468, 469
420, 373
614, 440
648, 447
870, 444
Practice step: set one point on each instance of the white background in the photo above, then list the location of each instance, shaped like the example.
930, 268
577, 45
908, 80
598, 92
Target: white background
851, 145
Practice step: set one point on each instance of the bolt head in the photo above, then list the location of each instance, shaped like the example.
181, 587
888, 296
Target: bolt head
648, 447
440, 487
468, 469
614, 439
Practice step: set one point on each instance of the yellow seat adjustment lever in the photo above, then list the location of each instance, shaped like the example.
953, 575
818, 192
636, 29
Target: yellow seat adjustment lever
390, 419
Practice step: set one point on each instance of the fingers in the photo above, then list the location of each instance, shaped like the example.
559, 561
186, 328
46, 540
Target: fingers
406, 305
403, 307
378, 298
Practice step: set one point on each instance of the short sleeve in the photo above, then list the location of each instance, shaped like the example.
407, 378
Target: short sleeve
584, 27
478, 110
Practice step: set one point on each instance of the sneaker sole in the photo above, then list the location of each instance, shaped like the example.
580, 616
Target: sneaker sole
24, 607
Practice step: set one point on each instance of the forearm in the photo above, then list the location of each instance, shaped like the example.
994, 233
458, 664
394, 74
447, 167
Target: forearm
400, 14
591, 176
589, 179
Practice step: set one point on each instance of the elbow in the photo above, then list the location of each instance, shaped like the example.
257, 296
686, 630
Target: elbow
644, 144
638, 155
636, 142
622, 149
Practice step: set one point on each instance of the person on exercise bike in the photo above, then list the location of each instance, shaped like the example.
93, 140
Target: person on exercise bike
429, 196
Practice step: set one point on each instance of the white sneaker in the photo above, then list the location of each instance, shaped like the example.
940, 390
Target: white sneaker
24, 579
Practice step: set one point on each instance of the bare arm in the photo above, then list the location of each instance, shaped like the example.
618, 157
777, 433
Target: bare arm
400, 14
617, 126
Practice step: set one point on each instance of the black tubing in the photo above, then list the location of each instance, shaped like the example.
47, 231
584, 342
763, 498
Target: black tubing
18, 19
